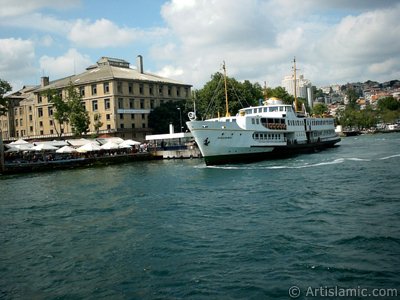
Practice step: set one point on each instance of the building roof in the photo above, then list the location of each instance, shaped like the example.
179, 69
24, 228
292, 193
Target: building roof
108, 69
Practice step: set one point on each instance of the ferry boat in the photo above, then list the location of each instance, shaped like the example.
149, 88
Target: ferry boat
271, 130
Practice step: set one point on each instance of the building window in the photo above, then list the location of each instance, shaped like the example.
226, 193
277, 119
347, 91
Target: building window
169, 91
121, 116
16, 122
186, 92
130, 88
41, 123
40, 112
151, 90
82, 91
133, 125
30, 118
143, 117
120, 103
178, 92
108, 117
40, 99
121, 126
141, 103
51, 131
141, 89
131, 103
41, 132
119, 87
31, 128
160, 90
94, 89
94, 105
132, 116
152, 103
107, 105
106, 87
50, 110
108, 126
143, 125
51, 122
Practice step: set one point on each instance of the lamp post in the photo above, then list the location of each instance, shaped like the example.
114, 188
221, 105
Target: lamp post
180, 117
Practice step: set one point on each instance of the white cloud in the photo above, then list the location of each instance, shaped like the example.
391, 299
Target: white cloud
68, 64
37, 21
102, 33
170, 72
258, 39
14, 8
16, 60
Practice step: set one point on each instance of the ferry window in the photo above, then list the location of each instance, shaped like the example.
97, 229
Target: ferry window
252, 121
233, 120
273, 108
248, 111
255, 110
260, 109
281, 108
257, 121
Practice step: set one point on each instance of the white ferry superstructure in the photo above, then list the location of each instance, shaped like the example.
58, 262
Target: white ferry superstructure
272, 130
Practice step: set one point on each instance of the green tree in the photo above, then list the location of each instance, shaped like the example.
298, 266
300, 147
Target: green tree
5, 87
366, 118
61, 109
78, 116
211, 98
352, 97
347, 117
97, 122
167, 113
388, 103
320, 109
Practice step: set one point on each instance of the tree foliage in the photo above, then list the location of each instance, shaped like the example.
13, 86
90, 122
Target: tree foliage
320, 109
352, 97
78, 116
168, 113
61, 112
97, 122
388, 103
210, 100
5, 87
69, 110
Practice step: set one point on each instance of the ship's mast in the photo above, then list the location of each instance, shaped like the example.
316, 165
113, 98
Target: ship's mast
227, 114
295, 84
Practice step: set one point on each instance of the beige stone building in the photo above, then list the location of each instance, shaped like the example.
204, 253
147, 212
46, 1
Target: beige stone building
121, 96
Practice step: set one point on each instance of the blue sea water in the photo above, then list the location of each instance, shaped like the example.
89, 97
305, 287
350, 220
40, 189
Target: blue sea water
176, 229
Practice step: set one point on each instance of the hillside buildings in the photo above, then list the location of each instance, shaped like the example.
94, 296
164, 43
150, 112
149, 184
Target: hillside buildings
120, 96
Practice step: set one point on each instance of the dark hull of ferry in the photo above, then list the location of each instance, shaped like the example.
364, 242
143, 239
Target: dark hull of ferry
278, 152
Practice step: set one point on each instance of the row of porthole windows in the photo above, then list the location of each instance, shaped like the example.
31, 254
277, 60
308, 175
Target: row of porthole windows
267, 136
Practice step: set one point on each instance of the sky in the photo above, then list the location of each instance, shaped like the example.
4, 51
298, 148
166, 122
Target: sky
334, 42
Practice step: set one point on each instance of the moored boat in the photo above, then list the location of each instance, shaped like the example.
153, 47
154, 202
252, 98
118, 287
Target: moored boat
271, 130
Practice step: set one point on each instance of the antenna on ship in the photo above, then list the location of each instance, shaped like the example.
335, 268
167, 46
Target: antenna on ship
227, 114
295, 84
